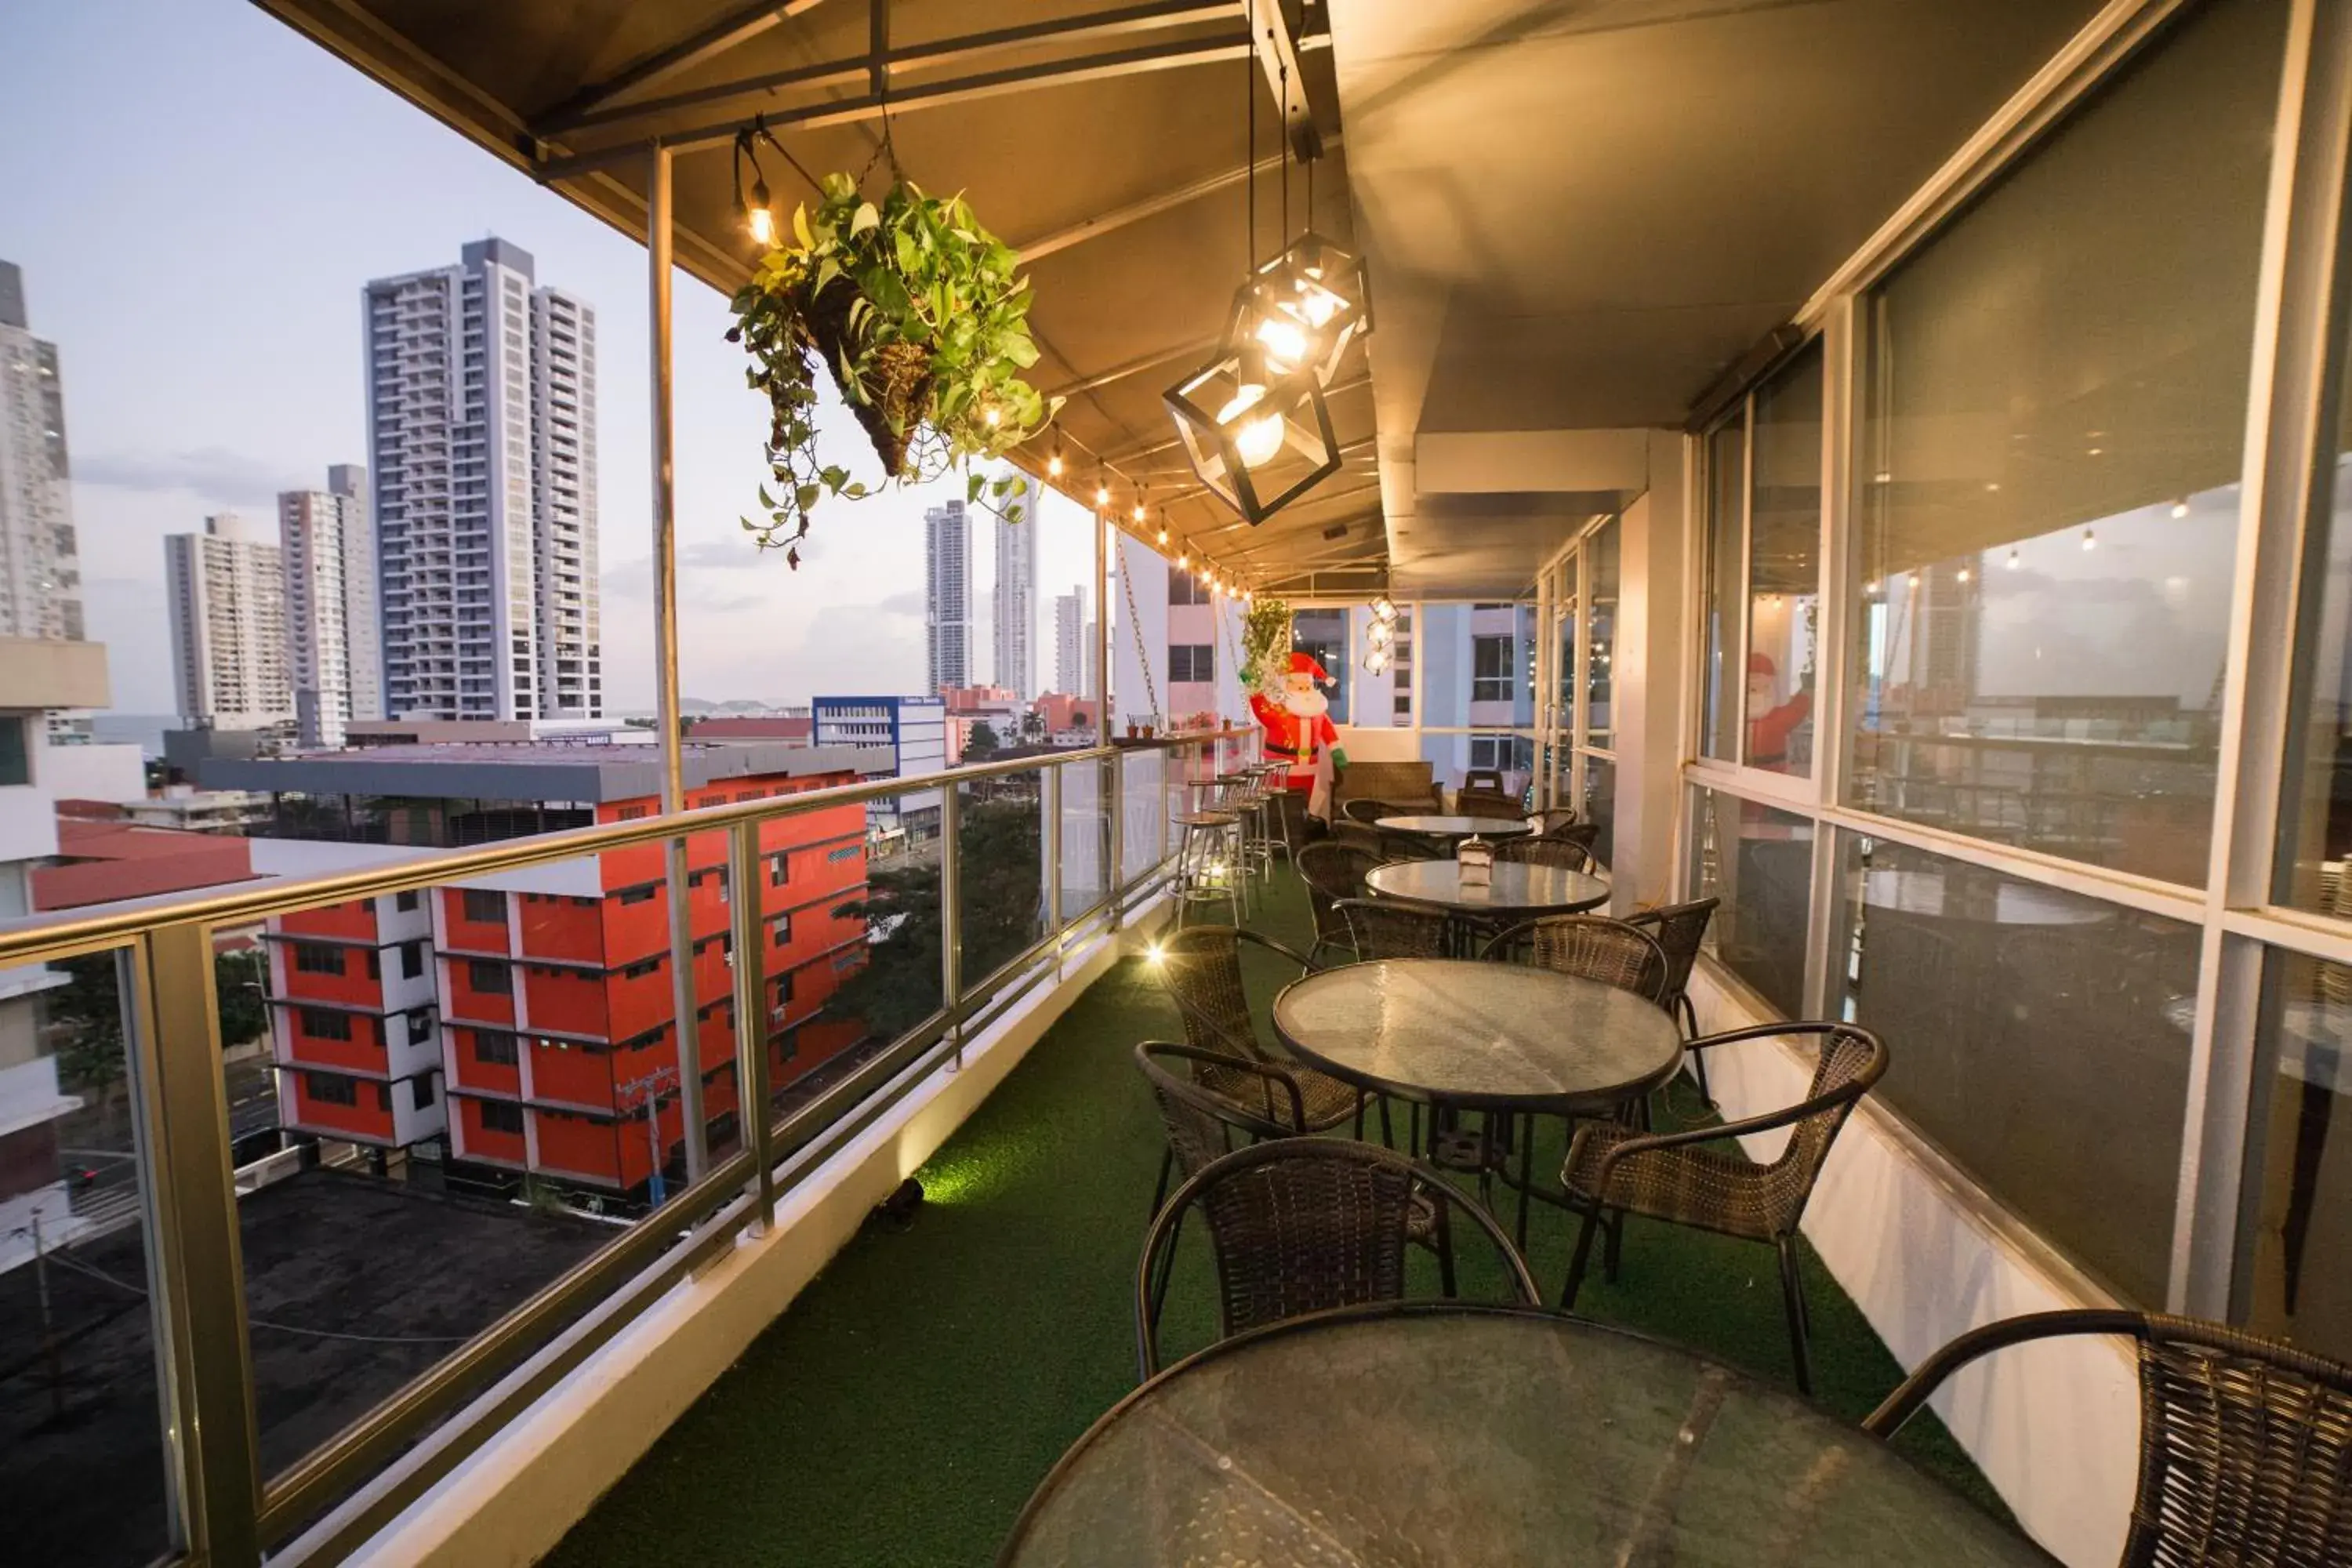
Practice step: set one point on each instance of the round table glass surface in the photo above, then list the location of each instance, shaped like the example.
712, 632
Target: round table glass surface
1456, 827
1474, 1034
1513, 886
1445, 1433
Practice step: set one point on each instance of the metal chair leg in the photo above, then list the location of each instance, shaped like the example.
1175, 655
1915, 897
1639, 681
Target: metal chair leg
1576, 1263
1160, 1192
1792, 1301
1612, 1250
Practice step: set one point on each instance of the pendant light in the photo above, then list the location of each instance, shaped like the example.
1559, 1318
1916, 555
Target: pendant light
1249, 408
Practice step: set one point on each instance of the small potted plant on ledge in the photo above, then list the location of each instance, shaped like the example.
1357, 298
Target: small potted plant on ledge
918, 315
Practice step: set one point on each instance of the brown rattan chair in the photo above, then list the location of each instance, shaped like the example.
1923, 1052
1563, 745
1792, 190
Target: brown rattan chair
1488, 779
1380, 929
1368, 812
1333, 871
1489, 803
1591, 947
1206, 1097
1541, 849
1551, 820
1681, 1178
1360, 836
1304, 1225
1202, 967
2245, 1445
1681, 932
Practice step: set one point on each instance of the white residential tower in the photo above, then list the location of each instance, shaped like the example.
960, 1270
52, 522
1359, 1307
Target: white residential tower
334, 650
947, 596
1016, 620
226, 592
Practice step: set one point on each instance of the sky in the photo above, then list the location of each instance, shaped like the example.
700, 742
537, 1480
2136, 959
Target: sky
197, 195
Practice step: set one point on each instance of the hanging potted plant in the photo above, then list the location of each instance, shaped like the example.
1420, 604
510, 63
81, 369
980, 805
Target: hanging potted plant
917, 314
1265, 645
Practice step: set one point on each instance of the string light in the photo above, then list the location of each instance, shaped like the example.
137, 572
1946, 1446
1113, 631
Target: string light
1102, 492
1054, 464
2013, 561
2181, 508
2090, 539
1163, 533
1964, 574
1183, 562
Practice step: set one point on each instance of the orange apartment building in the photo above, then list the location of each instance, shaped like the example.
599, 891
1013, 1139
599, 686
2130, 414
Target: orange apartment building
509, 1017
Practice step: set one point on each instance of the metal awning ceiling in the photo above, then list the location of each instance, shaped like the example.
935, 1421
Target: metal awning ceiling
1104, 139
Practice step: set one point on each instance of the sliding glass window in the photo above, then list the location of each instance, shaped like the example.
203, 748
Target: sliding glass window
1784, 569
2052, 407
1726, 482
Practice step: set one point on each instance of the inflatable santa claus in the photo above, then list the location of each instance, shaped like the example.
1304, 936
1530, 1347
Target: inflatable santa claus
1298, 729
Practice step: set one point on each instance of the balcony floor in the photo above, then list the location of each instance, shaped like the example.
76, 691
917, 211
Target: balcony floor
905, 1407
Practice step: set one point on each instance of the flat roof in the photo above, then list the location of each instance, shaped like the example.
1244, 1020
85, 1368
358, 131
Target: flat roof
534, 770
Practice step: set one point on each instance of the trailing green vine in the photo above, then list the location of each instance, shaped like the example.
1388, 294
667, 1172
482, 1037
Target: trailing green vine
919, 316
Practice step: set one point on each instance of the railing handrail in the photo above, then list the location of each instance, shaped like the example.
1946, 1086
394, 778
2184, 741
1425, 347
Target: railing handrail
35, 940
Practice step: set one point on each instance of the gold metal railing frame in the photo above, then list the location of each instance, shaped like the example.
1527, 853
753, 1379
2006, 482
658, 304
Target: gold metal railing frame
225, 1511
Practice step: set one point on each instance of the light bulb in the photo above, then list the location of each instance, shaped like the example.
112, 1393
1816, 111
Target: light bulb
2090, 539
1054, 466
1320, 305
1163, 536
991, 417
1284, 342
762, 223
1183, 562
1912, 581
2013, 561
2180, 509
1378, 634
1871, 587
1137, 512
1102, 495
1384, 608
1258, 439
1964, 574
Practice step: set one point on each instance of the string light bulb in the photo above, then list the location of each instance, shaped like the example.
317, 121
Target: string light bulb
1183, 562
1163, 533
1137, 512
2013, 562
1964, 574
2090, 539
2181, 508
1054, 464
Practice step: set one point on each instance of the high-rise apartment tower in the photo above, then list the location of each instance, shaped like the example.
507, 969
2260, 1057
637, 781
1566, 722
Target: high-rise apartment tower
482, 430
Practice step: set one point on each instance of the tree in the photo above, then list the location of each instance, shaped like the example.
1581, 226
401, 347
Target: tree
1033, 725
239, 980
1000, 852
981, 743
87, 1014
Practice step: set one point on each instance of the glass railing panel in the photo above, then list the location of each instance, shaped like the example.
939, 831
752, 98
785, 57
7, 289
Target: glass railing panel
867, 947
1760, 862
83, 1461
1143, 810
1084, 830
2291, 1280
1001, 908
444, 1102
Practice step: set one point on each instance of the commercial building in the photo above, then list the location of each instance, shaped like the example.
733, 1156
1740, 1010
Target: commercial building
913, 731
947, 596
970, 706
334, 638
516, 1020
1014, 624
40, 565
225, 589
482, 437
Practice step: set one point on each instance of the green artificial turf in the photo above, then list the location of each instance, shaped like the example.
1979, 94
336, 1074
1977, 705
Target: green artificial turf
905, 1407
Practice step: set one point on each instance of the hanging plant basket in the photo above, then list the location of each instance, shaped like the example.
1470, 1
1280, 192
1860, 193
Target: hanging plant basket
917, 313
1265, 644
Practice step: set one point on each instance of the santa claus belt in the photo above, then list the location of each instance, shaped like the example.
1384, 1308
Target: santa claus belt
1281, 751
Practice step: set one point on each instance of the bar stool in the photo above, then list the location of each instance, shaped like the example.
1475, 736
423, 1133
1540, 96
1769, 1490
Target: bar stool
1245, 797
1210, 864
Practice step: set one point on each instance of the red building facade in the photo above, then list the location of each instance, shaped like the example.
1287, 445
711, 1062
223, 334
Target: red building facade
527, 1017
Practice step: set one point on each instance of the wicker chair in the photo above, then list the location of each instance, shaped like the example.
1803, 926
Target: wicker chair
1674, 1176
1333, 871
1488, 803
1202, 967
1380, 929
1549, 821
1304, 1225
1680, 931
1591, 947
1360, 836
1368, 812
1542, 850
1206, 1096
2244, 1444
1488, 779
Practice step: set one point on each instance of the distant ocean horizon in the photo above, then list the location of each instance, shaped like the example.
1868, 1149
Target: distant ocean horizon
144, 730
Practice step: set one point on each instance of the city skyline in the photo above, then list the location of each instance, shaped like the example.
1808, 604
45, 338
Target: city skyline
259, 384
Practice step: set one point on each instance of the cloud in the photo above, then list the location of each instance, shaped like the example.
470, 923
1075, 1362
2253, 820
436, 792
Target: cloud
214, 473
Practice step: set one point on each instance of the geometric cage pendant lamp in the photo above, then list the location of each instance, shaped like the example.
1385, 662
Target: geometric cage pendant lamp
1256, 430
1305, 307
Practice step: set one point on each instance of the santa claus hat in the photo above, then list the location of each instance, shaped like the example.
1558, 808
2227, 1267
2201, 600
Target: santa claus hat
1762, 664
1304, 663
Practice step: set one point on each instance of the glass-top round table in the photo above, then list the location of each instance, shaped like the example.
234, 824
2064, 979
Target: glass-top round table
1493, 1037
1455, 828
1513, 888
1441, 1432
